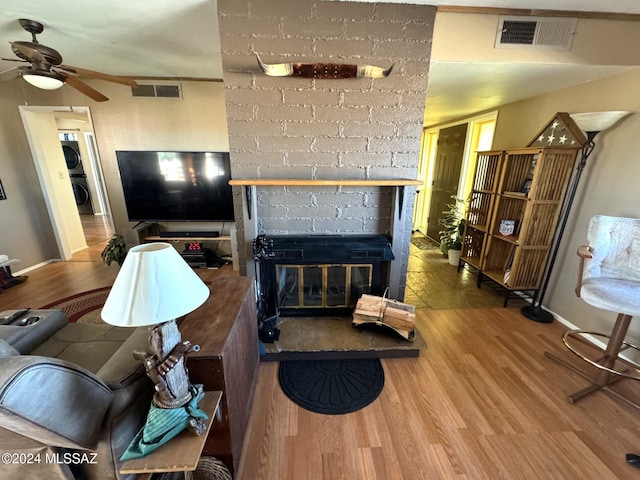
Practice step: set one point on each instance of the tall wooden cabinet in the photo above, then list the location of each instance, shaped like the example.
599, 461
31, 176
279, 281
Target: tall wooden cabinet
513, 211
480, 207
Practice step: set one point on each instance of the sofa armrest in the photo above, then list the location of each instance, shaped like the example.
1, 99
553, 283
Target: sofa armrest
52, 401
26, 338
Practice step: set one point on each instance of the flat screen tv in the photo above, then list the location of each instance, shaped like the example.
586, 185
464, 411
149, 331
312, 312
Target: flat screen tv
176, 186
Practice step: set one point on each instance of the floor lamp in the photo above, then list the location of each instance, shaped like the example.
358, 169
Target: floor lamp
591, 123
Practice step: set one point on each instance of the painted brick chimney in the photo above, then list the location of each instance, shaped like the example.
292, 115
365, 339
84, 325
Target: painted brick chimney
285, 127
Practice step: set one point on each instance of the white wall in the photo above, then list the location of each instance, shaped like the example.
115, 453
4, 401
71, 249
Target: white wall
54, 179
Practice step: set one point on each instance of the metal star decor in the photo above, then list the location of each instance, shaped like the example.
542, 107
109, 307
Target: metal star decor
561, 131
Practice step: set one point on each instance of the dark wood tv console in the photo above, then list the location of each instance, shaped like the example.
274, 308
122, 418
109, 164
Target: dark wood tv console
226, 329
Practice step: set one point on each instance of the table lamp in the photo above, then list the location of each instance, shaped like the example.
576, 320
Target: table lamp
153, 288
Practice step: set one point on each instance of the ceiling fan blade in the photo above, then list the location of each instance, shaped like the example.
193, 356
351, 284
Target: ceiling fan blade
9, 74
82, 87
13, 60
31, 53
98, 75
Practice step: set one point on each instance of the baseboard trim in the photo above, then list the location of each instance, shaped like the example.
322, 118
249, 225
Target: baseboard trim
33, 267
571, 326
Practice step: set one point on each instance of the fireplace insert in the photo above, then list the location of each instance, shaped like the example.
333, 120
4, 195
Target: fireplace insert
318, 275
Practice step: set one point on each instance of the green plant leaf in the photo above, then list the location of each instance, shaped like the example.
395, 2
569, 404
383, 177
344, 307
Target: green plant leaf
114, 251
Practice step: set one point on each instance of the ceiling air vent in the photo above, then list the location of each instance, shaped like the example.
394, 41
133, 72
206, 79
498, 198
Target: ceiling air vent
156, 91
541, 33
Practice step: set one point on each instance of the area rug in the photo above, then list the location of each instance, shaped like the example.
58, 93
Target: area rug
83, 307
332, 387
424, 243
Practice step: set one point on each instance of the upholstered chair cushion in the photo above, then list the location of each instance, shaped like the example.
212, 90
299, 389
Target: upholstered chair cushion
613, 294
52, 401
611, 277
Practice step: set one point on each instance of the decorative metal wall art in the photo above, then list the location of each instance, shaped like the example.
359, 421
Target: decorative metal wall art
322, 70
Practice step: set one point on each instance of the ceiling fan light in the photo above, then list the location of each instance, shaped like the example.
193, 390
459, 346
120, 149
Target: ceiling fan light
45, 82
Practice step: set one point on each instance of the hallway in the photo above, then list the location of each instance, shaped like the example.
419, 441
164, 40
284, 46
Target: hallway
434, 284
97, 228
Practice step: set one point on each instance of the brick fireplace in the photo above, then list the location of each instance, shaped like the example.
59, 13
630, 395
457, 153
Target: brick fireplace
363, 129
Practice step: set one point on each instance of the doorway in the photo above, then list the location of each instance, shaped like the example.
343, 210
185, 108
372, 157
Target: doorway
451, 179
43, 126
446, 174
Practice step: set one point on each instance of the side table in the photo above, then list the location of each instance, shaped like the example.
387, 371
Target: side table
181, 453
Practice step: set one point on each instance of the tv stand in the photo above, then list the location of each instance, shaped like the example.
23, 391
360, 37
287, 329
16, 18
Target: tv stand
189, 234
148, 232
135, 235
162, 238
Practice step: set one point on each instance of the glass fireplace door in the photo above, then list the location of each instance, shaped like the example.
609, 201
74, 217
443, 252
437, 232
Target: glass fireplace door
322, 286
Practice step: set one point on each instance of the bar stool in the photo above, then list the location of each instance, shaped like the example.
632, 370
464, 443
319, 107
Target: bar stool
609, 279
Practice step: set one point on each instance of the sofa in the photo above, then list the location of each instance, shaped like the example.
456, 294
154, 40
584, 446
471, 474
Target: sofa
72, 396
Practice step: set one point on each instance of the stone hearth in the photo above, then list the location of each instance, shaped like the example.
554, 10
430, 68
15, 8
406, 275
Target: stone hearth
334, 337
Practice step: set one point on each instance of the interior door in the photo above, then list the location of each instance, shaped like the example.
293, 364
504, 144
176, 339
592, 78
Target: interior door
446, 174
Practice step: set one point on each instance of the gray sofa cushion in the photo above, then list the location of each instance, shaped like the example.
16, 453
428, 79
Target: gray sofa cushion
86, 345
122, 368
14, 443
7, 350
52, 401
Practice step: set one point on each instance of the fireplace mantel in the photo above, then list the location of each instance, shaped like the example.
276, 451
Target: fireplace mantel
276, 182
251, 183
250, 222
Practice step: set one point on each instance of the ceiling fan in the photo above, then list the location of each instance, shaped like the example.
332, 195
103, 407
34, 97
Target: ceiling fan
45, 68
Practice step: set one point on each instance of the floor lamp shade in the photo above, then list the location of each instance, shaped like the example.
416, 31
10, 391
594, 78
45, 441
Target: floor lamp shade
597, 121
154, 285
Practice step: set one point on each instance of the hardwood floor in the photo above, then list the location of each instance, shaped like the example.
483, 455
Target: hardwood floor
85, 271
97, 228
482, 402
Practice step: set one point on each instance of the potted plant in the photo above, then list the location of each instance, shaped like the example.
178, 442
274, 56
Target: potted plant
115, 251
452, 221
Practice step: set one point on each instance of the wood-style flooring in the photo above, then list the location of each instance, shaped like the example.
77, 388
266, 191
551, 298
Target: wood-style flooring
97, 228
482, 402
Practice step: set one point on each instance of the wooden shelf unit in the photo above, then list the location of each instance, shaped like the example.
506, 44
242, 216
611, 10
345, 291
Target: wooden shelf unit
517, 261
480, 208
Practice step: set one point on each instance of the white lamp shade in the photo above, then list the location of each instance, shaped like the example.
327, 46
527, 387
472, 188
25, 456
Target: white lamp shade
597, 121
43, 82
154, 285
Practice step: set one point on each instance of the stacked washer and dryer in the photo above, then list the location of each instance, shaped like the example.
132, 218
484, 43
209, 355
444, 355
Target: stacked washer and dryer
77, 176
